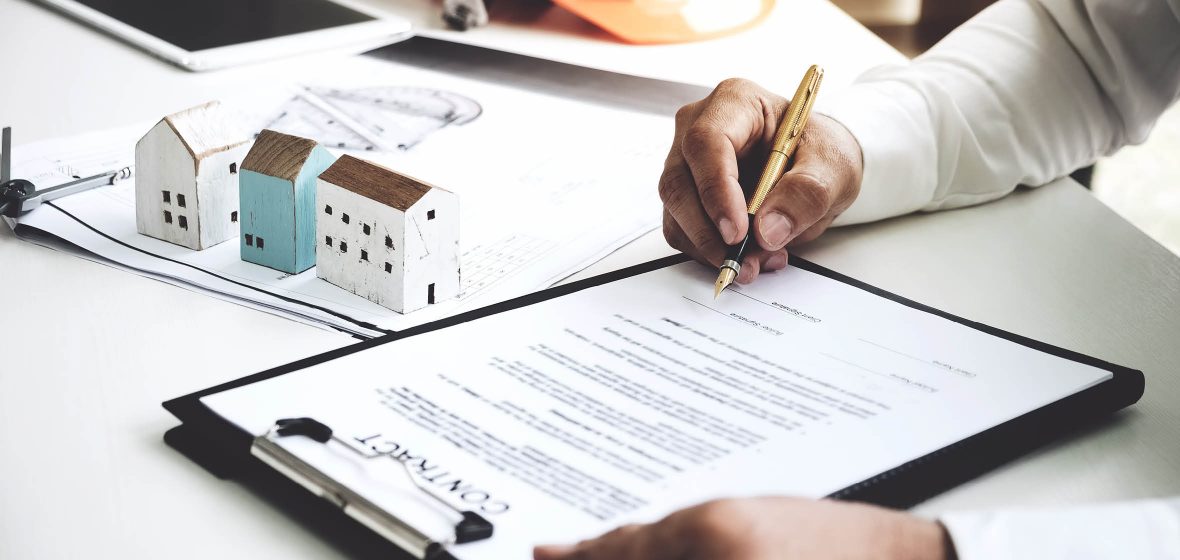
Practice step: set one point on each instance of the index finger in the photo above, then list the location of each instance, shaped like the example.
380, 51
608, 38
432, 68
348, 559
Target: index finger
711, 157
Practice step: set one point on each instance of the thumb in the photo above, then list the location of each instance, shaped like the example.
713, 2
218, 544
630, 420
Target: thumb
818, 183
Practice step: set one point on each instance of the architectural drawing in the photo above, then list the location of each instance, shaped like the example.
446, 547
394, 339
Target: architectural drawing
278, 201
373, 119
386, 237
186, 189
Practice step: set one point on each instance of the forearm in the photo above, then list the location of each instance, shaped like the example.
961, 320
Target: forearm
1024, 93
1144, 530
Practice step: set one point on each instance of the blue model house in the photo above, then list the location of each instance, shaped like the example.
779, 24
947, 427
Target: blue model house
277, 196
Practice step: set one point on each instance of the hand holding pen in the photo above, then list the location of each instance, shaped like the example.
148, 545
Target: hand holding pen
786, 140
730, 132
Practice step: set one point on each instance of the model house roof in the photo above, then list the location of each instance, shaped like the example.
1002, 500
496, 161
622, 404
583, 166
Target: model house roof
278, 155
375, 182
205, 130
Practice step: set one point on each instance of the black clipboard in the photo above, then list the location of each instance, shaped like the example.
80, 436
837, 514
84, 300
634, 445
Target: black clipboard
224, 449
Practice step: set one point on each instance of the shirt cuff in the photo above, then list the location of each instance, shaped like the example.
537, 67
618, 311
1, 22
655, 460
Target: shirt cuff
891, 122
1145, 530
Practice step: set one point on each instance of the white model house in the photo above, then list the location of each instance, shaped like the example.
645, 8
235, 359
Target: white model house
385, 236
186, 178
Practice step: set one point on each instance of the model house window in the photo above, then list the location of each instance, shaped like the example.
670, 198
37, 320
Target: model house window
167, 197
389, 241
365, 228
183, 222
343, 247
430, 293
328, 209
388, 267
249, 240
180, 200
328, 240
233, 169
344, 218
429, 214
364, 255
261, 243
167, 217
233, 216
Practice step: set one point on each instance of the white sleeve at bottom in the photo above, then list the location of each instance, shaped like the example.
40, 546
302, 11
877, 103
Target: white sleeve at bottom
1143, 530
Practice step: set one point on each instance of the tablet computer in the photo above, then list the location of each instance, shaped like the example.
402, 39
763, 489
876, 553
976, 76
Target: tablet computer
208, 34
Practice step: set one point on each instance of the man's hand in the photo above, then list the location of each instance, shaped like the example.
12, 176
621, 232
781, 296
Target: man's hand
721, 144
767, 529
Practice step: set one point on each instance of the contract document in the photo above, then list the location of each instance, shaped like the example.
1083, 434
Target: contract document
626, 401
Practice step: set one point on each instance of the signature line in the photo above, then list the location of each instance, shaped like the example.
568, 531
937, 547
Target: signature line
772, 306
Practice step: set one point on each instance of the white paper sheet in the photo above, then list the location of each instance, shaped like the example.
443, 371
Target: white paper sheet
546, 185
629, 400
832, 38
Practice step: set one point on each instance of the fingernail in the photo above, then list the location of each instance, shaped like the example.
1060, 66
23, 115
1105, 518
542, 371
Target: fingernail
728, 230
777, 261
749, 271
775, 229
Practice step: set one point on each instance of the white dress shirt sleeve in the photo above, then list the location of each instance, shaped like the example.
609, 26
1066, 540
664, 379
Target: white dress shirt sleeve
1024, 93
1144, 530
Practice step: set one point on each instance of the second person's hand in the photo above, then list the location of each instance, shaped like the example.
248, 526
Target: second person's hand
722, 142
771, 528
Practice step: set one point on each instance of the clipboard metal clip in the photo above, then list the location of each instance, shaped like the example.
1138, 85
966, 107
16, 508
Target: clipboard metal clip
469, 525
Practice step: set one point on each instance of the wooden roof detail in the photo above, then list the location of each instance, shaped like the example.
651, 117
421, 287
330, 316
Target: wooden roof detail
375, 182
278, 155
205, 130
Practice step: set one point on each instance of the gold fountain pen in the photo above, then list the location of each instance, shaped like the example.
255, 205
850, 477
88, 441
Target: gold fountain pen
786, 139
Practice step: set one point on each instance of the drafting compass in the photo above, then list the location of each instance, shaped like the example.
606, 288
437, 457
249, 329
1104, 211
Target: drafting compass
18, 196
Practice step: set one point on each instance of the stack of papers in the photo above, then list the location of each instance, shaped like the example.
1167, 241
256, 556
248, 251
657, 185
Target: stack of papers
546, 185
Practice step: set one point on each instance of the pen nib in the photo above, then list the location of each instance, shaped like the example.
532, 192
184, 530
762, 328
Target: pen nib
724, 279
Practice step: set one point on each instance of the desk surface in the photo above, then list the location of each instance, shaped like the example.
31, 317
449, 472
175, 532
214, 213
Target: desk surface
90, 351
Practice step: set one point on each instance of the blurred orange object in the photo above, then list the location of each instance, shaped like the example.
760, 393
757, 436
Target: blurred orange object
670, 21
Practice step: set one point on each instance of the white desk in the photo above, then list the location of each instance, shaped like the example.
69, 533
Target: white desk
89, 352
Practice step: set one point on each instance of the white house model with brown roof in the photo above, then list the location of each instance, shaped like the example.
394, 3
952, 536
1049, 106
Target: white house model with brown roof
386, 237
186, 185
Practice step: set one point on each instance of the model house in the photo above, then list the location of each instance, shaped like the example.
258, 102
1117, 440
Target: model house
277, 194
186, 185
385, 236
